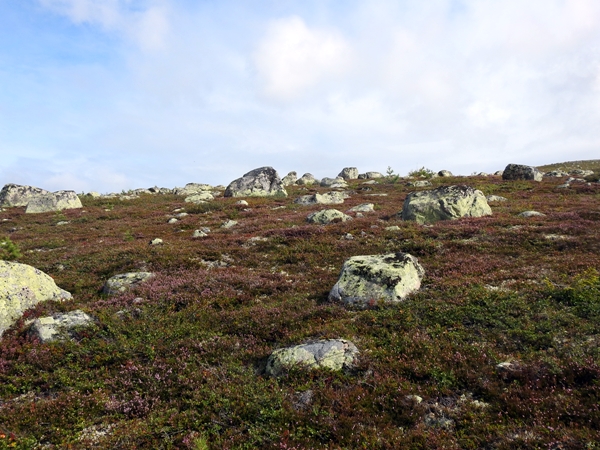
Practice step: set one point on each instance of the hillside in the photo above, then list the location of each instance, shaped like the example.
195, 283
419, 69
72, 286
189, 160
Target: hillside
497, 350
590, 164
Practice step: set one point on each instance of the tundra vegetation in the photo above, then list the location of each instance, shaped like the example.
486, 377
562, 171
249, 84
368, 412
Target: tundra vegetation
499, 349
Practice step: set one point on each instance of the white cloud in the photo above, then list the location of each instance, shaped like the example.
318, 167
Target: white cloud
293, 57
147, 24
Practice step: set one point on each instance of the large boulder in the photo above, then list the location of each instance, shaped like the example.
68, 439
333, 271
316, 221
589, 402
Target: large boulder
520, 172
370, 175
445, 203
332, 354
444, 173
59, 326
199, 197
338, 182
327, 216
290, 178
54, 201
307, 179
192, 188
349, 173
368, 279
17, 195
22, 287
329, 198
120, 283
262, 182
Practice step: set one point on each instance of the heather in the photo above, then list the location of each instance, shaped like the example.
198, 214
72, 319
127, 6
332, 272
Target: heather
179, 361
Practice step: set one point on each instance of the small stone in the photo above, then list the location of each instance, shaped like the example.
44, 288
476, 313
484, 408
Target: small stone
393, 228
172, 220
348, 236
228, 224
157, 241
62, 222
364, 207
242, 203
495, 198
183, 214
120, 283
199, 234
444, 173
327, 216
531, 214
52, 328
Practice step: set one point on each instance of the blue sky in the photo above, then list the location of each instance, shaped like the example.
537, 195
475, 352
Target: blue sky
108, 95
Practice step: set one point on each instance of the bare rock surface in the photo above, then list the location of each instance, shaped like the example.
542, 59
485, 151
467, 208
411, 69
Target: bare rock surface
22, 287
445, 203
53, 201
333, 354
57, 326
261, 182
521, 172
373, 278
17, 195
120, 283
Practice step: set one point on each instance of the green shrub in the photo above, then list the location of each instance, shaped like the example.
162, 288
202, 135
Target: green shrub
423, 172
9, 251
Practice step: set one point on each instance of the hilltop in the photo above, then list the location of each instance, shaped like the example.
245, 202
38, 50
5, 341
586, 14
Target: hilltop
498, 349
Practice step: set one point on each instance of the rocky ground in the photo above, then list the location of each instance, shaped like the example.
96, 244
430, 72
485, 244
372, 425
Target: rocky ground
220, 327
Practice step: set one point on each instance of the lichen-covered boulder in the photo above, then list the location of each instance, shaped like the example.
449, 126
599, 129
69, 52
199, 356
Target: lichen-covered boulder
199, 197
445, 203
370, 175
496, 198
368, 279
333, 354
17, 195
289, 179
520, 172
262, 182
193, 188
307, 179
338, 182
54, 201
22, 287
349, 173
364, 207
444, 173
120, 283
327, 216
329, 198
58, 326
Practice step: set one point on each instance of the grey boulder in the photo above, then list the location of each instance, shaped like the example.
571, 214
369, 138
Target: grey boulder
370, 175
261, 182
22, 287
332, 354
444, 173
120, 283
349, 173
327, 216
368, 279
58, 326
307, 179
289, 179
53, 201
445, 203
329, 198
531, 214
17, 195
520, 172
364, 207
338, 182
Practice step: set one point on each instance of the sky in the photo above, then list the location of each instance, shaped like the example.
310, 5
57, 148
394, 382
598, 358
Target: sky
111, 95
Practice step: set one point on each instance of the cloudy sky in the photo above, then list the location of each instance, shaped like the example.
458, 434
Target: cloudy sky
108, 95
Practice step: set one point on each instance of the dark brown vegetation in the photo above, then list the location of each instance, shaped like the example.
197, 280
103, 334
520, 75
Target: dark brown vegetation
178, 363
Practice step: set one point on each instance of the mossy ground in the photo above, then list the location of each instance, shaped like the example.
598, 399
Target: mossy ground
183, 367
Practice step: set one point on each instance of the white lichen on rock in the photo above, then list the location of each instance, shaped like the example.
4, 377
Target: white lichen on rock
372, 278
